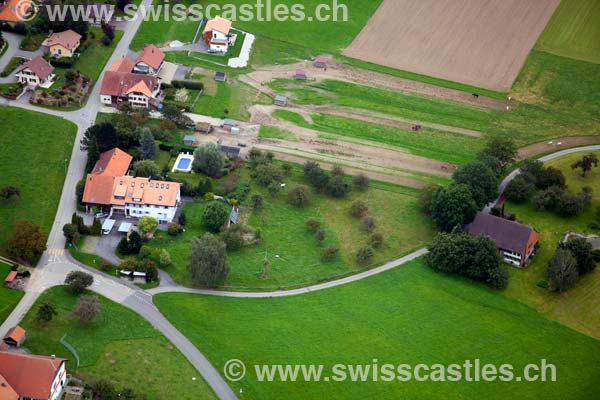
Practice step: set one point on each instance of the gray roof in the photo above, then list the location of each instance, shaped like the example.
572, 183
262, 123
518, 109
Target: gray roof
508, 235
230, 150
189, 138
280, 97
231, 122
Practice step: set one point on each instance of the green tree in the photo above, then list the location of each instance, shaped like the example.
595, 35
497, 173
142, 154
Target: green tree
581, 250
209, 160
78, 281
336, 187
45, 313
361, 182
364, 255
26, 241
164, 259
71, 232
359, 209
145, 169
98, 139
208, 261
519, 189
147, 146
267, 174
586, 163
257, 201
147, 224
426, 198
87, 309
480, 179
215, 216
299, 196
131, 245
10, 191
503, 149
452, 206
562, 270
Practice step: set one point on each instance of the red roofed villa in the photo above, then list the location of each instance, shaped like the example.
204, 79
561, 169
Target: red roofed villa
216, 34
36, 72
150, 61
62, 44
27, 376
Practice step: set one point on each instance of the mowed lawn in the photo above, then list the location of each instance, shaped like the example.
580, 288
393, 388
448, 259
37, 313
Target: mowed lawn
119, 346
292, 250
36, 149
408, 315
574, 31
577, 307
277, 41
8, 297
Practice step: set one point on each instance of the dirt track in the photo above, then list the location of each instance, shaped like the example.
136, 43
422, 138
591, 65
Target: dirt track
483, 43
555, 145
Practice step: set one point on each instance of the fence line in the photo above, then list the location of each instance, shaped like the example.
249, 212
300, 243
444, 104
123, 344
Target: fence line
70, 348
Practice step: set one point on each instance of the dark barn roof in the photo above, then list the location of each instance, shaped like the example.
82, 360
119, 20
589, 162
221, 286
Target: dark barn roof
231, 151
508, 235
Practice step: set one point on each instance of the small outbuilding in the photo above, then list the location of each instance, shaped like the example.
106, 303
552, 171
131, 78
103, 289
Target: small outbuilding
280, 100
300, 75
321, 62
203, 127
220, 76
230, 151
15, 336
229, 123
11, 279
190, 140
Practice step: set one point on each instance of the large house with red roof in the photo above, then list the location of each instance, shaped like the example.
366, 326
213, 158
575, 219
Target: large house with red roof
62, 44
110, 188
35, 72
31, 377
150, 61
14, 11
216, 34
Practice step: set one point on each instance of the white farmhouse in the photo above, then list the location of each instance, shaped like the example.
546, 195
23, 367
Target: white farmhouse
216, 34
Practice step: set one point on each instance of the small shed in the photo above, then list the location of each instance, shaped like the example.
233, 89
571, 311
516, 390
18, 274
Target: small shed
229, 123
321, 62
190, 140
300, 75
280, 100
230, 151
220, 76
203, 127
11, 279
15, 336
235, 130
234, 216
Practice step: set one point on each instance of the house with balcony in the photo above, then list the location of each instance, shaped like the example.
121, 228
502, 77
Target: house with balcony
121, 86
36, 72
217, 35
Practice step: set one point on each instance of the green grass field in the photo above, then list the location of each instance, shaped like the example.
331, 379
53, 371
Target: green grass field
292, 250
577, 307
271, 132
94, 58
574, 31
408, 315
119, 346
8, 298
36, 149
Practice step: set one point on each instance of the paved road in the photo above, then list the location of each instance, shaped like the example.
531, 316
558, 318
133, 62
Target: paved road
14, 41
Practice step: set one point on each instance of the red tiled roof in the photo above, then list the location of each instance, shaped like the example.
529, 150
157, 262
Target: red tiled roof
218, 24
113, 162
68, 39
99, 183
38, 66
6, 391
123, 64
14, 10
508, 235
140, 87
118, 83
29, 375
152, 56
11, 277
16, 334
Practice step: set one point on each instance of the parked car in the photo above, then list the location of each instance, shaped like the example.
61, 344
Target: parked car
101, 215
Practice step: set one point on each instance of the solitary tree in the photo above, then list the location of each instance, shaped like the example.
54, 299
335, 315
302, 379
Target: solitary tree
209, 160
586, 163
215, 216
147, 146
299, 196
78, 281
562, 270
87, 309
452, 206
361, 182
147, 224
164, 260
364, 255
145, 168
26, 241
45, 313
208, 261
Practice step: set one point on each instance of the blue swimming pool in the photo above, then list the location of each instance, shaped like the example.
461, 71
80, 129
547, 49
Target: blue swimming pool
184, 163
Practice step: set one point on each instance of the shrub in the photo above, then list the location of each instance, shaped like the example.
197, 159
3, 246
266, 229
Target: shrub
519, 189
257, 201
364, 255
182, 218
367, 223
336, 187
147, 224
313, 224
299, 196
426, 198
174, 229
376, 240
130, 246
71, 232
320, 236
358, 209
215, 216
106, 266
593, 224
330, 253
234, 236
267, 174
361, 182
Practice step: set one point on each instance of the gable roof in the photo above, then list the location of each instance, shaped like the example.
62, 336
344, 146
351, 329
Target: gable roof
38, 66
113, 162
16, 334
10, 277
140, 87
508, 235
14, 10
152, 56
68, 39
6, 391
123, 64
218, 24
119, 84
29, 375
